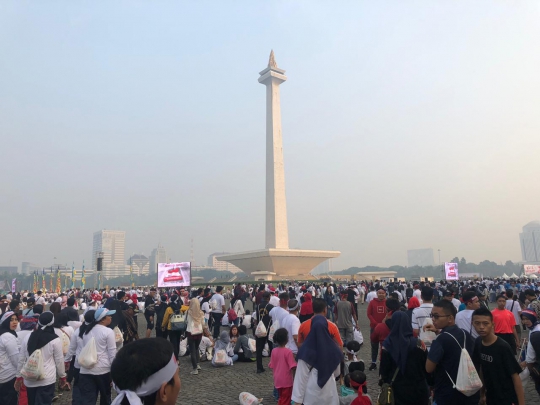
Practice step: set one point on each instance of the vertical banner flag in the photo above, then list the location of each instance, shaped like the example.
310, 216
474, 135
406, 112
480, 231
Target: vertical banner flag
35, 282
58, 281
51, 280
73, 276
13, 285
44, 287
131, 272
83, 279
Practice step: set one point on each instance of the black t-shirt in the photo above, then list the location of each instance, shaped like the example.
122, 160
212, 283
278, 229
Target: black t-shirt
446, 352
350, 295
498, 365
149, 305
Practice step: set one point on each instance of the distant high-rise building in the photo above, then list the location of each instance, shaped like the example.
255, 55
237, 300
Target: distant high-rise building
530, 242
221, 265
158, 255
420, 257
140, 264
29, 268
112, 245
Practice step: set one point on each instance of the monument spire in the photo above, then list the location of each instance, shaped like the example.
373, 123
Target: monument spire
277, 233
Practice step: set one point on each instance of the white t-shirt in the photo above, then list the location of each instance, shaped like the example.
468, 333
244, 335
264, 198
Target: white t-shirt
53, 363
105, 347
418, 294
247, 321
220, 301
516, 310
9, 357
205, 344
456, 303
420, 314
371, 295
278, 314
292, 324
464, 321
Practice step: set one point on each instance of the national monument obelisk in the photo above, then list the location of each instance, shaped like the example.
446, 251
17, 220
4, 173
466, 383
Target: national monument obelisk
276, 258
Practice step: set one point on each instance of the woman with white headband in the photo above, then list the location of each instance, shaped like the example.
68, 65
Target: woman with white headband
153, 377
9, 357
97, 379
41, 392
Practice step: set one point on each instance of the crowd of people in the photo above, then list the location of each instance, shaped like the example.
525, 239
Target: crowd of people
421, 335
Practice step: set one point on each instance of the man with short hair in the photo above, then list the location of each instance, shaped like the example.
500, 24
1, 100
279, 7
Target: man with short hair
513, 306
376, 312
496, 364
421, 315
464, 317
344, 312
70, 311
505, 324
319, 309
292, 324
449, 296
217, 310
444, 356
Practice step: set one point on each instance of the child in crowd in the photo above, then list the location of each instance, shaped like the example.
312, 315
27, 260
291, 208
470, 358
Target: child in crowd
359, 384
205, 347
153, 376
352, 347
246, 321
348, 394
282, 363
223, 351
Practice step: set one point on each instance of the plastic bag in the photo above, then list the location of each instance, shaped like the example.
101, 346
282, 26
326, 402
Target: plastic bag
358, 336
221, 358
33, 368
118, 337
467, 381
252, 345
246, 398
427, 336
266, 350
261, 330
183, 347
273, 328
65, 342
88, 355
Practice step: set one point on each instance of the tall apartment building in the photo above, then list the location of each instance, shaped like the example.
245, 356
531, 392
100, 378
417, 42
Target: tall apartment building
112, 245
158, 255
221, 265
420, 257
530, 242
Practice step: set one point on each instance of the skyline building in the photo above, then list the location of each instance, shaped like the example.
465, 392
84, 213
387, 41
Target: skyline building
140, 264
158, 255
530, 242
420, 257
112, 245
220, 264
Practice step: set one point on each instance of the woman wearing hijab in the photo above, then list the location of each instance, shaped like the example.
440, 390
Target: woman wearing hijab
403, 360
41, 392
319, 360
306, 310
224, 343
97, 379
174, 335
9, 357
195, 323
413, 303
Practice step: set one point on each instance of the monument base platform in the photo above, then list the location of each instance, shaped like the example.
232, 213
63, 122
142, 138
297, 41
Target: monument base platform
281, 262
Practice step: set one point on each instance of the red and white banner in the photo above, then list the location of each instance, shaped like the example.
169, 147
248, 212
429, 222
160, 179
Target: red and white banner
451, 270
529, 269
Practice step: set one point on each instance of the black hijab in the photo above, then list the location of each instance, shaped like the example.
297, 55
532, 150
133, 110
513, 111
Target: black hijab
400, 341
43, 334
4, 326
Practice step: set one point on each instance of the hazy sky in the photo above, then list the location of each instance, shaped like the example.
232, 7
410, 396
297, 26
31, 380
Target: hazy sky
406, 124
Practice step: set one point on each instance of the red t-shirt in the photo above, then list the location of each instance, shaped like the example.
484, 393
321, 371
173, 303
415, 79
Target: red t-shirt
376, 312
504, 321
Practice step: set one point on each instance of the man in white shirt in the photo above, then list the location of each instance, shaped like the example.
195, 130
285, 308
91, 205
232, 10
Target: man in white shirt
292, 324
513, 306
449, 296
279, 312
371, 295
217, 306
422, 314
464, 318
40, 300
417, 293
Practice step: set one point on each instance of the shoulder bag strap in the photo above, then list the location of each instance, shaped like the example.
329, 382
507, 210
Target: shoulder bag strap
395, 375
512, 308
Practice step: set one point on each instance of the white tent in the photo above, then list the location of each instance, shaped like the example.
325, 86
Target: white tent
505, 276
514, 275
533, 276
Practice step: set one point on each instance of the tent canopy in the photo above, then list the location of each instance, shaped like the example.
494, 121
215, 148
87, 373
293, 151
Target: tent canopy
505, 276
514, 275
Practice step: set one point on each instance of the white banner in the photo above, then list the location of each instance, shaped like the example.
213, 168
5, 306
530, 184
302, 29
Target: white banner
451, 270
529, 269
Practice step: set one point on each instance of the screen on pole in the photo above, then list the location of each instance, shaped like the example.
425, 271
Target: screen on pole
451, 270
174, 274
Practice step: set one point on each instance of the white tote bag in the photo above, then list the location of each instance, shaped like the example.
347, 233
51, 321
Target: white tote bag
467, 381
275, 326
88, 355
33, 368
252, 345
261, 330
358, 336
118, 337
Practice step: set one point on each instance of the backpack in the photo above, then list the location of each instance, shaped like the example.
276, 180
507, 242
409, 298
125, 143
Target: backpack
33, 367
467, 380
213, 304
88, 355
232, 315
221, 358
275, 326
178, 322
261, 330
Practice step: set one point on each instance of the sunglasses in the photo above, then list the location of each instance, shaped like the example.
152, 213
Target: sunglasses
435, 316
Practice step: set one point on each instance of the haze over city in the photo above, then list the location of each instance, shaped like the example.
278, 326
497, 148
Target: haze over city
405, 125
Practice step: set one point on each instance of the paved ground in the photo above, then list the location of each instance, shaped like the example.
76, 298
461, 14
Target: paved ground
223, 385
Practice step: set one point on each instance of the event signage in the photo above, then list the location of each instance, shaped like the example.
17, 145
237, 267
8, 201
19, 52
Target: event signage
174, 274
451, 271
529, 269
